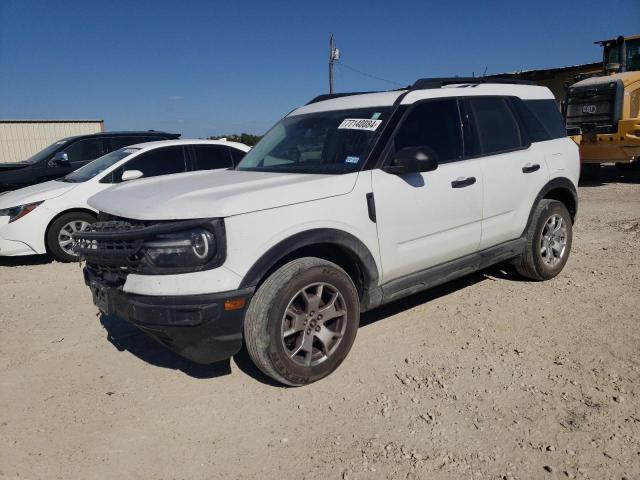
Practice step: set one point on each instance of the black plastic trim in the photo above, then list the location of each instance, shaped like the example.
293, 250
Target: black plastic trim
465, 182
327, 236
330, 96
439, 82
196, 327
531, 168
371, 206
445, 272
555, 184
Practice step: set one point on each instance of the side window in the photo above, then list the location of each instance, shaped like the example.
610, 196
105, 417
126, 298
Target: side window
548, 114
237, 154
87, 149
434, 124
119, 142
496, 128
529, 122
210, 157
161, 161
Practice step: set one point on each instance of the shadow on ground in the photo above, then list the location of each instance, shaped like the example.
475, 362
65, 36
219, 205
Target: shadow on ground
611, 174
25, 260
126, 337
502, 272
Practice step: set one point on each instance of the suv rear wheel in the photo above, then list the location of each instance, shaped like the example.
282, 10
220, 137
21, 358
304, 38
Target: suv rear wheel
549, 239
59, 241
302, 321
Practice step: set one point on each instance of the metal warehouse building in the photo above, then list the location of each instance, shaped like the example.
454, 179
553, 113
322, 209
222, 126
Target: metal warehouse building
19, 139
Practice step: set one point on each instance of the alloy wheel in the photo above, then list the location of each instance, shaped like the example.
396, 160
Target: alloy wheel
553, 241
314, 324
64, 236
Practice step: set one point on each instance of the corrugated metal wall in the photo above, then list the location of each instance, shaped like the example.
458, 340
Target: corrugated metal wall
21, 139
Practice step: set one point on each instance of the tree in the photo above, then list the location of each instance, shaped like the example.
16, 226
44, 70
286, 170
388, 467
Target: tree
246, 138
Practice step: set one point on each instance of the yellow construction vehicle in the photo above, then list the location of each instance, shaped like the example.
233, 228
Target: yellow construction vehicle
602, 112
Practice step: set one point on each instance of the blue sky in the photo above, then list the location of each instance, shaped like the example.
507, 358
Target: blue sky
208, 67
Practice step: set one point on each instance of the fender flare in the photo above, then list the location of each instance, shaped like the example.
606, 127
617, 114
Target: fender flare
348, 243
562, 183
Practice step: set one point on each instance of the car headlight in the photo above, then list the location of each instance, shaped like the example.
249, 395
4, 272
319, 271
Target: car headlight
16, 213
190, 248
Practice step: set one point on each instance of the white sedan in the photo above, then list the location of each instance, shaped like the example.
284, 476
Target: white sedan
41, 218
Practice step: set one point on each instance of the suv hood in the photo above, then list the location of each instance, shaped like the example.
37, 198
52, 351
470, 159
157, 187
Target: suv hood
220, 193
34, 193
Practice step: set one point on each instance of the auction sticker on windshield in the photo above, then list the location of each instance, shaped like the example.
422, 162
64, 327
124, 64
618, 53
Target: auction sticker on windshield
360, 124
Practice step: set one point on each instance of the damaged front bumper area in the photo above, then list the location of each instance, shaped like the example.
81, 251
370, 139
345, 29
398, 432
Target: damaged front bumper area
204, 328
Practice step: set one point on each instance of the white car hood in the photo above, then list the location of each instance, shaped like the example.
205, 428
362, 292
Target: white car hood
220, 193
35, 193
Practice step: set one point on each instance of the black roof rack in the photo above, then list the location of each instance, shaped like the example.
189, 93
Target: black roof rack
329, 96
427, 83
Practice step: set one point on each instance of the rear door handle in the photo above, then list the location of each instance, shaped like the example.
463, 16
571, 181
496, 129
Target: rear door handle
463, 182
530, 168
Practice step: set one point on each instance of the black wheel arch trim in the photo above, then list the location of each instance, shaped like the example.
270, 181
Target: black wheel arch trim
350, 244
559, 183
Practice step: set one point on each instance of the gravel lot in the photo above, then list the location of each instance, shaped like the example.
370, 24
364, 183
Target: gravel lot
487, 377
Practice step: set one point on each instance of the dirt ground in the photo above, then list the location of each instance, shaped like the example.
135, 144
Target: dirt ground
487, 377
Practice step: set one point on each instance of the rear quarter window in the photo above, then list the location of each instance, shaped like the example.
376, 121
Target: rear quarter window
548, 114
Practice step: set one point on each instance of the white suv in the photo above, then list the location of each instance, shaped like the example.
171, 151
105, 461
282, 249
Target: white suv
349, 202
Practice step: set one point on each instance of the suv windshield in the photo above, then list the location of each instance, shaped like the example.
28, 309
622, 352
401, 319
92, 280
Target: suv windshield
99, 165
323, 142
46, 152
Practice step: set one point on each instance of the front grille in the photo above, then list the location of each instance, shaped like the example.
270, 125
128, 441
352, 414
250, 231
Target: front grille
113, 247
595, 106
110, 250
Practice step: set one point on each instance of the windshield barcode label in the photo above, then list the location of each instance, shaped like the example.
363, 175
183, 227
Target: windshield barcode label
360, 124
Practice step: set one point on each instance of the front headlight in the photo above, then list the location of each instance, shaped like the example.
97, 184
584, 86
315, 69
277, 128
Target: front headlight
191, 248
15, 213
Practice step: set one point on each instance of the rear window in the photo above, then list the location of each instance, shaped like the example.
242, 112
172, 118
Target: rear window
548, 114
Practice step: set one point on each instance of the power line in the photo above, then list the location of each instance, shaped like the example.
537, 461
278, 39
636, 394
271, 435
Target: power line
342, 64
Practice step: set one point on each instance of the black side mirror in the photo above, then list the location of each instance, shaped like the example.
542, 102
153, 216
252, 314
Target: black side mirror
413, 160
60, 159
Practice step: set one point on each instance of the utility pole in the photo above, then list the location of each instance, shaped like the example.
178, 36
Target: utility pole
334, 55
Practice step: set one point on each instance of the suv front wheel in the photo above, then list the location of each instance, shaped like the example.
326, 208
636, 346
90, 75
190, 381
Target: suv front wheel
302, 321
549, 238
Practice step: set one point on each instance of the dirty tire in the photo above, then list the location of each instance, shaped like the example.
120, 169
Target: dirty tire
265, 320
53, 246
531, 263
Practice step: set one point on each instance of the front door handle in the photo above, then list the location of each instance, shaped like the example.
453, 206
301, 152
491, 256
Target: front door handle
530, 168
463, 182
